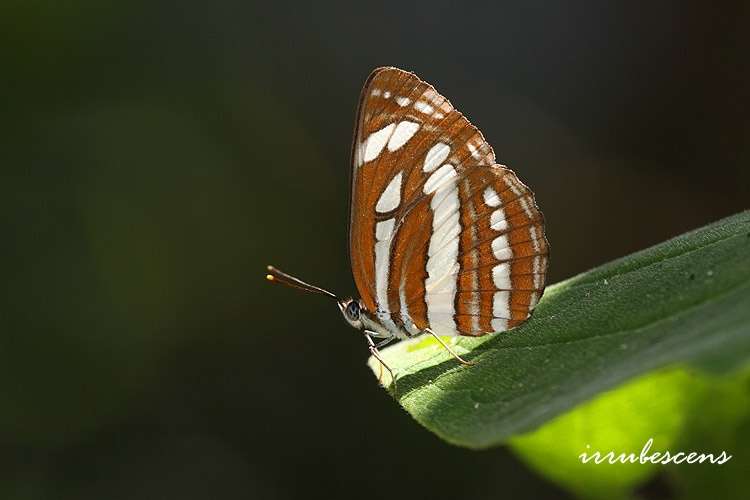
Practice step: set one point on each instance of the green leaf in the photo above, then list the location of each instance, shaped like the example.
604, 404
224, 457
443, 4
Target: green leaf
687, 299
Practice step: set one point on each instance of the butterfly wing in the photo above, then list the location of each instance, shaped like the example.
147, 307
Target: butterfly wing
440, 235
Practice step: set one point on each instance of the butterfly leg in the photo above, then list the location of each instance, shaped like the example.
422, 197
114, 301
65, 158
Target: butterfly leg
384, 342
447, 348
376, 354
377, 346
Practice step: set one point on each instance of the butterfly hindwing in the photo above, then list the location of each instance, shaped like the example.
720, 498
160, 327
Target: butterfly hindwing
440, 236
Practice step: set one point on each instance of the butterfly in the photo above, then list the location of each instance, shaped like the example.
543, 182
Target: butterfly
442, 239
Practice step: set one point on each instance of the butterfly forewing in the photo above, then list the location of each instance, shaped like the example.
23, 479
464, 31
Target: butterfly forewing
440, 236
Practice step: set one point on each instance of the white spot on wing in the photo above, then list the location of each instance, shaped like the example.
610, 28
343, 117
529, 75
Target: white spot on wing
497, 220
435, 156
525, 205
501, 249
430, 95
403, 101
391, 197
533, 300
518, 191
511, 183
534, 239
384, 229
501, 276
423, 107
443, 324
537, 271
501, 304
441, 176
540, 264
386, 94
375, 143
473, 303
442, 253
491, 198
474, 153
383, 233
499, 324
405, 130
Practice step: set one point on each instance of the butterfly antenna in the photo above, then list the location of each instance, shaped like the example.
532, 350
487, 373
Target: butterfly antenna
276, 276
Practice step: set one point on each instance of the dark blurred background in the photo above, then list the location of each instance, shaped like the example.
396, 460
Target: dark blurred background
156, 156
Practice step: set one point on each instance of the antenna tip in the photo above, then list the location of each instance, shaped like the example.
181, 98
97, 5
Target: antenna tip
269, 277
270, 267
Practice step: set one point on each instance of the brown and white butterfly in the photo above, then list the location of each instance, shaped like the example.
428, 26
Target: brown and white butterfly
443, 240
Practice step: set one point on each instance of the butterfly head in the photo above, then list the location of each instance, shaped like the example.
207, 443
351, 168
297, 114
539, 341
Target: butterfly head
353, 310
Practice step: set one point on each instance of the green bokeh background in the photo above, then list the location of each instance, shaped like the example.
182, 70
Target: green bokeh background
156, 156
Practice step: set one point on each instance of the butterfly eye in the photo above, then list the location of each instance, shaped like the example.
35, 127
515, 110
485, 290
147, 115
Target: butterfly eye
353, 310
